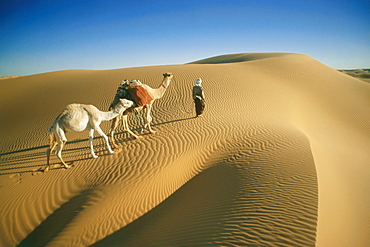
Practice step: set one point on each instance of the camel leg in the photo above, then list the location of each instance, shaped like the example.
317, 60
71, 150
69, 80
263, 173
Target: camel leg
91, 140
144, 110
59, 152
105, 138
114, 125
149, 118
125, 125
48, 153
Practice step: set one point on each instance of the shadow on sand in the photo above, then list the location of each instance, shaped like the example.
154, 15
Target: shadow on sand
57, 221
30, 160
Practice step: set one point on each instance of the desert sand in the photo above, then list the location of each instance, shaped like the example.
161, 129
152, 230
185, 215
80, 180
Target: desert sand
280, 158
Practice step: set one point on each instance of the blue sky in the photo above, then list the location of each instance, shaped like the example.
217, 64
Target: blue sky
50, 35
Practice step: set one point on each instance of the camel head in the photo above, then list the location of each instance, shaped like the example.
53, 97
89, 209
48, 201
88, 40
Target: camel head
123, 105
170, 75
126, 103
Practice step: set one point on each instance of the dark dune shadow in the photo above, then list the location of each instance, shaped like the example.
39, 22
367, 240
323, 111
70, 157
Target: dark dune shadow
57, 221
201, 205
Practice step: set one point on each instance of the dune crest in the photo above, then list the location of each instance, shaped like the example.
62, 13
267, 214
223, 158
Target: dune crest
240, 57
280, 158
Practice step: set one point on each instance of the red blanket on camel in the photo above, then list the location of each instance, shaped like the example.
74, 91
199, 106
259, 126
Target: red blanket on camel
140, 95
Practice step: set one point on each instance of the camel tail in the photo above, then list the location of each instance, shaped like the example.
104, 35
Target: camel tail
52, 138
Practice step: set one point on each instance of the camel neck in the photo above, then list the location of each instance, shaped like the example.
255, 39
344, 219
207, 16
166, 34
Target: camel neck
111, 114
164, 85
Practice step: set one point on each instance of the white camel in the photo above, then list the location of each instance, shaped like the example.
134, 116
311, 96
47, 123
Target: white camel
78, 117
155, 93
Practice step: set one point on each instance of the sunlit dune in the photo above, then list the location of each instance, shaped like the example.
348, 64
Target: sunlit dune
280, 158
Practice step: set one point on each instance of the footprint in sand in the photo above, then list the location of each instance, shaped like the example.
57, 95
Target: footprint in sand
17, 178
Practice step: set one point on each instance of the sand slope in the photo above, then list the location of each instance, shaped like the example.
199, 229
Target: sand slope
279, 159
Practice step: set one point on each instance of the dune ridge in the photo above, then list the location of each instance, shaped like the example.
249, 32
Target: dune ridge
240, 57
272, 163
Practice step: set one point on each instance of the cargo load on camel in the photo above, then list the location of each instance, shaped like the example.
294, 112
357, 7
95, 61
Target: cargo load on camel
140, 95
133, 90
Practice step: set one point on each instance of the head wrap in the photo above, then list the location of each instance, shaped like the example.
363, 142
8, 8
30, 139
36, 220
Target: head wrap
198, 82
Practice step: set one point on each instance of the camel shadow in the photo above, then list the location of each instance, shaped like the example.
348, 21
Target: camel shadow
139, 129
173, 121
29, 160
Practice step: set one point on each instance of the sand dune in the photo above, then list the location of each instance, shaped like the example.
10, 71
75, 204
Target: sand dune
362, 74
280, 158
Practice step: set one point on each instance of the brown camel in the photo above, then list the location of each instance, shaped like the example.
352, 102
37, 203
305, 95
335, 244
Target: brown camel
155, 93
